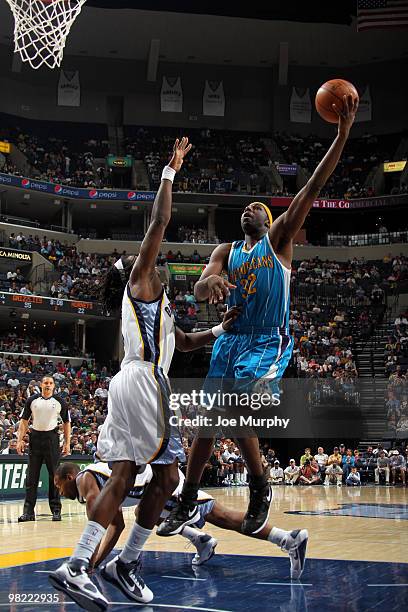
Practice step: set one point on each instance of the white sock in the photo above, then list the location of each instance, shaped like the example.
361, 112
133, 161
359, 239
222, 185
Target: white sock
89, 540
230, 476
134, 544
191, 533
277, 536
236, 477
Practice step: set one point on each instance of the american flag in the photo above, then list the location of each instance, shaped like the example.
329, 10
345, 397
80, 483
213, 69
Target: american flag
382, 14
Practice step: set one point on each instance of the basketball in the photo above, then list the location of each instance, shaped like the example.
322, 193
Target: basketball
330, 93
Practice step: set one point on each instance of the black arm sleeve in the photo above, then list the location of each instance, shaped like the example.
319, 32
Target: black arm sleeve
64, 414
26, 412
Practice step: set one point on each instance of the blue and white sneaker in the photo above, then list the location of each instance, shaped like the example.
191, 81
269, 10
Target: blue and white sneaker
72, 579
295, 544
205, 549
127, 578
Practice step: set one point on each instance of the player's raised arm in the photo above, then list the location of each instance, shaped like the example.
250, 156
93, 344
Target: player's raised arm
161, 213
285, 228
212, 286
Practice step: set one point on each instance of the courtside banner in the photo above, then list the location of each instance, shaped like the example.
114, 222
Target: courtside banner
77, 193
13, 473
188, 269
334, 204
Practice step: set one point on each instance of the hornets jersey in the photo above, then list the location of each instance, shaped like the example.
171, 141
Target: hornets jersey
148, 330
263, 286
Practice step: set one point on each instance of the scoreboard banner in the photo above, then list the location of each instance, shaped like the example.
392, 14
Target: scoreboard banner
38, 302
5, 147
20, 256
287, 169
119, 162
77, 193
336, 204
394, 166
186, 269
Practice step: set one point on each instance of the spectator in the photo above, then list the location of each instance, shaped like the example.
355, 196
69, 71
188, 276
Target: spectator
353, 479
292, 473
11, 448
383, 467
309, 472
333, 469
348, 462
276, 475
397, 466
306, 457
321, 458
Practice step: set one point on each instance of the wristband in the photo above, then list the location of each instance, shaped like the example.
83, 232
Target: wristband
218, 330
168, 173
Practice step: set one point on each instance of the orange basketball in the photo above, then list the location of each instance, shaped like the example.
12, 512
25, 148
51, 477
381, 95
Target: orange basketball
330, 93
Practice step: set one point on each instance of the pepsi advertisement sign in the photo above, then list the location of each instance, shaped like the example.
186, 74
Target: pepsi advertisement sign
79, 193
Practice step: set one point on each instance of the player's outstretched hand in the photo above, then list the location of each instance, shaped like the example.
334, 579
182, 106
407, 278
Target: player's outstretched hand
180, 150
347, 114
230, 316
219, 289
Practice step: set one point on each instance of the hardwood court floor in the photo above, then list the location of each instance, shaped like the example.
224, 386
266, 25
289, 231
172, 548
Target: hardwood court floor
361, 524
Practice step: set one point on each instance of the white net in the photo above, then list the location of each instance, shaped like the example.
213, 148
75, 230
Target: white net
41, 29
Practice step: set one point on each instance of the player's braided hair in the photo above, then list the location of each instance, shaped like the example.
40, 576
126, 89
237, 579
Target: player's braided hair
113, 285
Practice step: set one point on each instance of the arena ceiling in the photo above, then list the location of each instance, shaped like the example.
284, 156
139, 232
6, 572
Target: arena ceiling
124, 33
297, 10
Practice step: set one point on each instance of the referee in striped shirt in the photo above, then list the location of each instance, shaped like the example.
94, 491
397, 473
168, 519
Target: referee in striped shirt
44, 409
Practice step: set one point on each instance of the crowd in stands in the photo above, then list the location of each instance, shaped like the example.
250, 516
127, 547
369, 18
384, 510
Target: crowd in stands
360, 156
77, 275
359, 281
344, 466
396, 365
220, 161
30, 343
66, 157
84, 387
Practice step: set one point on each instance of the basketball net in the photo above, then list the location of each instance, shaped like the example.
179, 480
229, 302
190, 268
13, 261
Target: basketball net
41, 28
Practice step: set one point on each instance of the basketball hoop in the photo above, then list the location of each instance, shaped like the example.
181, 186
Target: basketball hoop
41, 28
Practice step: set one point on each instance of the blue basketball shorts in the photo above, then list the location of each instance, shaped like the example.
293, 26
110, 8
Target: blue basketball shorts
242, 359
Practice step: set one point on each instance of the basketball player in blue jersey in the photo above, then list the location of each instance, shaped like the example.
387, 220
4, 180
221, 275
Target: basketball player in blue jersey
136, 431
259, 346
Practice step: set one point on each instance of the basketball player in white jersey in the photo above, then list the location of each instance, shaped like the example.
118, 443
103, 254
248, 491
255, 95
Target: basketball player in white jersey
85, 485
136, 430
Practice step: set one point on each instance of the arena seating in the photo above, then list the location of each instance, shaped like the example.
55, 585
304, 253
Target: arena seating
220, 162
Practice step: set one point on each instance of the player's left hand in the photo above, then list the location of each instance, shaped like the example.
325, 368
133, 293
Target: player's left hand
180, 150
230, 316
347, 115
66, 450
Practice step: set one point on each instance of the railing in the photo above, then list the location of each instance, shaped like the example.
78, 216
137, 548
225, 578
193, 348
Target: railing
367, 239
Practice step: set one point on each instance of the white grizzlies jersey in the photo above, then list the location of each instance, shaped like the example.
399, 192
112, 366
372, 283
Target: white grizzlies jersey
102, 472
148, 330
